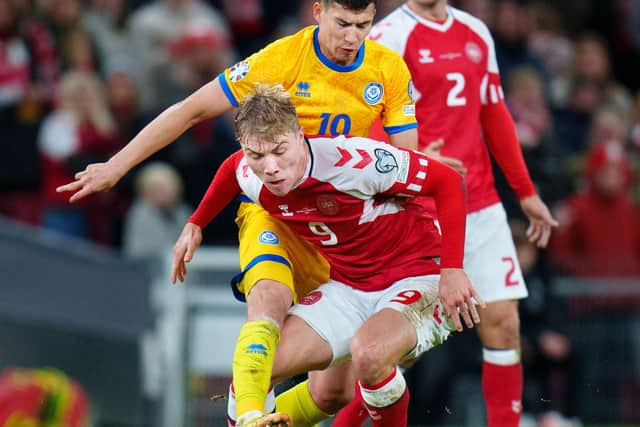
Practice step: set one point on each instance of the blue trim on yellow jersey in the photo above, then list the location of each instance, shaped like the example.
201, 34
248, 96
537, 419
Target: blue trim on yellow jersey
260, 258
336, 67
227, 90
397, 129
244, 198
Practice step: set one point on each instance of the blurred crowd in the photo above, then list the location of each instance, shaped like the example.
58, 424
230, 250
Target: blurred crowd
80, 78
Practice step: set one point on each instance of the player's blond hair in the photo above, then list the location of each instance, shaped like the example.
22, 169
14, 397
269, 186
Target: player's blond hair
266, 113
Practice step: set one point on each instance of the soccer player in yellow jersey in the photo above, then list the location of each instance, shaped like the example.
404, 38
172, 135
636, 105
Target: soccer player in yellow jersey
340, 83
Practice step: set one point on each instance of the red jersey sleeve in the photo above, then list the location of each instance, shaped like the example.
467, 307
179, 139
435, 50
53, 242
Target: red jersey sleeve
223, 189
429, 177
503, 143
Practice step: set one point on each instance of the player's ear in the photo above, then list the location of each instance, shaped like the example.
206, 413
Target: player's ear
317, 10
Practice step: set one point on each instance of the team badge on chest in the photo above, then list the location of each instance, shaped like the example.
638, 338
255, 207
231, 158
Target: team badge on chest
372, 93
327, 205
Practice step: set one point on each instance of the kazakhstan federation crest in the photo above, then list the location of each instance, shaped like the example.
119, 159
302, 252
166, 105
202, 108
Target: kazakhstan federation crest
372, 93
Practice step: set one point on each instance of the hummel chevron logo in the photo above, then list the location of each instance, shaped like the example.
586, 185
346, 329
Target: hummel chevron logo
363, 158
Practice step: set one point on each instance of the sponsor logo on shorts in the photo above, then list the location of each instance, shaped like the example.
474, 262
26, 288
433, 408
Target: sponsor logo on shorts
372, 93
386, 161
311, 298
256, 349
327, 205
239, 71
269, 238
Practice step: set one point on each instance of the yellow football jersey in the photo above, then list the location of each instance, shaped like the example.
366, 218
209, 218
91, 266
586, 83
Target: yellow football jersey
330, 99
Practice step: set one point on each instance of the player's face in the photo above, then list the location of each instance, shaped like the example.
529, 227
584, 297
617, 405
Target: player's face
342, 30
280, 164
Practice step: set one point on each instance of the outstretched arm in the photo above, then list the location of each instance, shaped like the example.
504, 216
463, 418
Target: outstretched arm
208, 101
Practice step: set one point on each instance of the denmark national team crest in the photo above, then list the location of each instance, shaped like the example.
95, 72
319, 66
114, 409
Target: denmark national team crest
310, 298
473, 51
269, 237
386, 161
327, 205
373, 93
239, 71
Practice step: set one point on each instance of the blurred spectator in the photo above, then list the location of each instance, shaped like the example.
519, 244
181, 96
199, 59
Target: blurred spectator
157, 215
109, 25
41, 398
161, 22
525, 95
197, 55
28, 71
78, 132
481, 9
547, 354
73, 42
510, 30
600, 226
253, 22
618, 21
549, 41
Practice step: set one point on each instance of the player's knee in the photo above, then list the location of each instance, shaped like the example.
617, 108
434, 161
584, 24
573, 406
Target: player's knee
369, 360
502, 331
331, 398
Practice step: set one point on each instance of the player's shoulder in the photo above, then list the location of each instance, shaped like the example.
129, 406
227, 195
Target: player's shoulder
473, 23
394, 29
286, 45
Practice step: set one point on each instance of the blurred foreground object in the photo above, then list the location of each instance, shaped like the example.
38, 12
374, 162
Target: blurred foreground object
41, 398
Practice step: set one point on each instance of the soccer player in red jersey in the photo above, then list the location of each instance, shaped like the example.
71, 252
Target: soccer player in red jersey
461, 110
388, 262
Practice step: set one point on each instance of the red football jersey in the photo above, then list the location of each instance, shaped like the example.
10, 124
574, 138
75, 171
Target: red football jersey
348, 207
455, 73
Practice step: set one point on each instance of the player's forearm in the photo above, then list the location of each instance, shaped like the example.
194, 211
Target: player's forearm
503, 143
208, 101
449, 194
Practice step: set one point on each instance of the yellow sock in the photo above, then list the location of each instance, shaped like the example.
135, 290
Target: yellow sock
298, 403
252, 364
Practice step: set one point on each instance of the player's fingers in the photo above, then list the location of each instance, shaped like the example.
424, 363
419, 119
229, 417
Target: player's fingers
478, 299
80, 174
464, 312
454, 314
474, 313
84, 192
534, 232
72, 186
543, 241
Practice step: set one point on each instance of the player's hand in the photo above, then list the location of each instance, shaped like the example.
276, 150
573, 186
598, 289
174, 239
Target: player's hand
183, 250
540, 220
433, 150
96, 177
459, 298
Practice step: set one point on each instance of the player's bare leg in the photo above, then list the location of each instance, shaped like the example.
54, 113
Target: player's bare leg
502, 380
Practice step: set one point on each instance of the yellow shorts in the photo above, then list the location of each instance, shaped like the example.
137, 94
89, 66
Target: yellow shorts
270, 250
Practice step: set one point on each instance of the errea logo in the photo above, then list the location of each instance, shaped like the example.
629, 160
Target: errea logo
303, 90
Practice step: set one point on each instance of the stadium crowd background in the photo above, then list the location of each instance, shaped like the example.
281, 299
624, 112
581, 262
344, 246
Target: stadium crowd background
78, 79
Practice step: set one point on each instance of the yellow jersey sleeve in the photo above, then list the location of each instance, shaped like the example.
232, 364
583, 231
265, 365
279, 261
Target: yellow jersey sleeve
273, 64
399, 110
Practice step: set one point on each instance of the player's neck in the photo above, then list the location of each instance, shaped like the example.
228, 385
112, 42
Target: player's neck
437, 11
305, 165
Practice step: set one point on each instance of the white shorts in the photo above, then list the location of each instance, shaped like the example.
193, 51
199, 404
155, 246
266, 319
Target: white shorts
336, 311
490, 258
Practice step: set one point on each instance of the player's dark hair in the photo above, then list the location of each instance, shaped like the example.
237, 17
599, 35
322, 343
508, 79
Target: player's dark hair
351, 4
